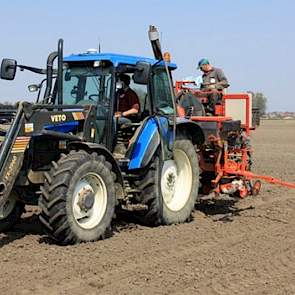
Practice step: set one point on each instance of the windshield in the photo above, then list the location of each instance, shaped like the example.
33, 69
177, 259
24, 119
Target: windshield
163, 101
86, 85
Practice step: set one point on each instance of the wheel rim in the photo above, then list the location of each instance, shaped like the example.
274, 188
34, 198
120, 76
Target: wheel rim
89, 201
7, 208
176, 181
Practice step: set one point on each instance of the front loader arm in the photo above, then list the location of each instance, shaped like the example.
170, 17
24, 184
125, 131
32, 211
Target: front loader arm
11, 156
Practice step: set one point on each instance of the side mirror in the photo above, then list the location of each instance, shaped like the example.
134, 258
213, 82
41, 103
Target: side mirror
8, 69
142, 72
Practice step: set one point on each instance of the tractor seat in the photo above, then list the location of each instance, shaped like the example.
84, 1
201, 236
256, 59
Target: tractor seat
191, 105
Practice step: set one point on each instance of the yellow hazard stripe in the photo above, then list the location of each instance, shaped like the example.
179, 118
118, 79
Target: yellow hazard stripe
23, 138
78, 115
20, 144
14, 151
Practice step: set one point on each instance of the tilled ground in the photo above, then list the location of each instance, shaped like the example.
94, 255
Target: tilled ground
246, 248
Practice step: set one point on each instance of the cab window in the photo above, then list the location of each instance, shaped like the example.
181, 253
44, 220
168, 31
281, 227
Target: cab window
86, 85
163, 102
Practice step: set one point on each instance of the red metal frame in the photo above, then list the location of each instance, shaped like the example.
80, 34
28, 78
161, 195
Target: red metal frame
266, 178
240, 96
224, 166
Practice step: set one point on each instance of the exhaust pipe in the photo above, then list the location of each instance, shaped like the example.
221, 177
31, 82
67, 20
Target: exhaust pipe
49, 72
60, 72
155, 42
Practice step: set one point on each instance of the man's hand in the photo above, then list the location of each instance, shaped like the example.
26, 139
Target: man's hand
118, 114
212, 86
208, 86
205, 85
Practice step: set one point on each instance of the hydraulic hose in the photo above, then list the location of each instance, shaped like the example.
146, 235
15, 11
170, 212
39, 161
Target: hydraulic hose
49, 72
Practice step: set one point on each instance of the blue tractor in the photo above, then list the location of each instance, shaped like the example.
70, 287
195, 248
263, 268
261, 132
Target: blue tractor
69, 153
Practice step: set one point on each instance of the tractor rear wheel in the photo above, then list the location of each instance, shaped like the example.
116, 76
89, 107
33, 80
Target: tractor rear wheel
11, 213
78, 198
170, 188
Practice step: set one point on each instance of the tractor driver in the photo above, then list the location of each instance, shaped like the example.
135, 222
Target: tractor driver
213, 79
128, 105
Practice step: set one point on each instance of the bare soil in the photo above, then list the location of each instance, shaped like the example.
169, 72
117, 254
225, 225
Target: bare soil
244, 248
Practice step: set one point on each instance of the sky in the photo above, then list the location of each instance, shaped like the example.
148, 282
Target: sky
252, 41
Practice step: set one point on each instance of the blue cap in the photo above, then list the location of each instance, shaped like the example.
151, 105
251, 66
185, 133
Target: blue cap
203, 61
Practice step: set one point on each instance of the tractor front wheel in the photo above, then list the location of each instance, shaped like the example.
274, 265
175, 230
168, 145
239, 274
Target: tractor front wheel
78, 198
11, 213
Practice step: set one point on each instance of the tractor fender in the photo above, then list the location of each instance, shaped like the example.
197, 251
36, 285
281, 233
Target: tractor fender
101, 150
146, 142
143, 147
191, 128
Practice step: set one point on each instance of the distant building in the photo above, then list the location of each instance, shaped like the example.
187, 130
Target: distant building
279, 116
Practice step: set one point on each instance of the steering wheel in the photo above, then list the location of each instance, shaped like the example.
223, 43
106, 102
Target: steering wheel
74, 92
93, 97
86, 102
164, 108
163, 105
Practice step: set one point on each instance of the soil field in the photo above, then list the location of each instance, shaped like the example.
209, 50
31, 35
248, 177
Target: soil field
244, 248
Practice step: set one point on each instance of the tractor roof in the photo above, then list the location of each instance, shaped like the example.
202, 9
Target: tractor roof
116, 59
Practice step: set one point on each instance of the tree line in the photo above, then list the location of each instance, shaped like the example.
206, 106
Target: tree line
6, 105
259, 101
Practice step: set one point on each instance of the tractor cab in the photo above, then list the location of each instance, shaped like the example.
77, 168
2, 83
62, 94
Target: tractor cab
92, 80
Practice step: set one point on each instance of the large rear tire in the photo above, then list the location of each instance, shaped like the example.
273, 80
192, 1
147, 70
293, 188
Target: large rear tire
170, 188
78, 198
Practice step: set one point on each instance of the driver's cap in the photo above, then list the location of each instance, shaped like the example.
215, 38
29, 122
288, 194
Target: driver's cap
203, 61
